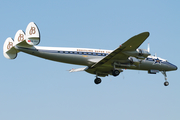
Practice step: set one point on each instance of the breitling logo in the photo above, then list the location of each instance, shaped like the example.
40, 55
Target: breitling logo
32, 30
10, 45
20, 38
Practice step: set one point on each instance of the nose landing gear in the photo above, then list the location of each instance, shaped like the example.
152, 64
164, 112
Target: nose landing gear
166, 83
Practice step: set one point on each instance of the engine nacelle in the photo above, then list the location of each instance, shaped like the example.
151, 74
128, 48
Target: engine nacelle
143, 52
134, 61
139, 53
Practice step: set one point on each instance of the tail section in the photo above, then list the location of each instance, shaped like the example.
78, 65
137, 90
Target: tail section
21, 39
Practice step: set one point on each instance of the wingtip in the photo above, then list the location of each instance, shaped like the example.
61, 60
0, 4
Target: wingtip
147, 33
144, 34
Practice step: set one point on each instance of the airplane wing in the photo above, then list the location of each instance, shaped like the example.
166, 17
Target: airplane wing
105, 65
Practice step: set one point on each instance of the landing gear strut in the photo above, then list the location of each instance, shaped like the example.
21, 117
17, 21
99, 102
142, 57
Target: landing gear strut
166, 83
116, 72
97, 80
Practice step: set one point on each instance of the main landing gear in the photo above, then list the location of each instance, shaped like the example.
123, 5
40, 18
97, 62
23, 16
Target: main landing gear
166, 83
97, 80
114, 73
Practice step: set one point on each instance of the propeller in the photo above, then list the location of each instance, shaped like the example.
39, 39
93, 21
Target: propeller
155, 55
148, 49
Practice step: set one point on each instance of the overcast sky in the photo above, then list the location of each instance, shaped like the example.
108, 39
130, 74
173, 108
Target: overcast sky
32, 88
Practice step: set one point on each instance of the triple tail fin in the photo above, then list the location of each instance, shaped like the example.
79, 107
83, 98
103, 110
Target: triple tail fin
21, 39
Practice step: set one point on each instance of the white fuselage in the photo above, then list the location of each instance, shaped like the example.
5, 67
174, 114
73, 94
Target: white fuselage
87, 57
79, 56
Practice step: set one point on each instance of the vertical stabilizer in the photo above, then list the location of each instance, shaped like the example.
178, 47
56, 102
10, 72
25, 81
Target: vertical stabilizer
32, 34
8, 49
20, 38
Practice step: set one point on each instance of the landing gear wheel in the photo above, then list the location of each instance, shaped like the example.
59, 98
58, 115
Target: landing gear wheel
97, 80
115, 72
166, 83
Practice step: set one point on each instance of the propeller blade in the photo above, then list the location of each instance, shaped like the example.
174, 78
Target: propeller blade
148, 48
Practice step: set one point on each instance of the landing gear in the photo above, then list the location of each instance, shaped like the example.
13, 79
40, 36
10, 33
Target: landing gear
97, 80
166, 83
115, 73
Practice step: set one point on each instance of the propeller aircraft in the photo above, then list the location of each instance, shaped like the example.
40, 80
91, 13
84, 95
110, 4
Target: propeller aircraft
99, 62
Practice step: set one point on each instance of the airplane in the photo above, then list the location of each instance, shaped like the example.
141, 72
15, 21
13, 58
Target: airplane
100, 62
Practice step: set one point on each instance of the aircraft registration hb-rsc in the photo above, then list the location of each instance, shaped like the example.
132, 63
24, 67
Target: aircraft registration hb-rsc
99, 62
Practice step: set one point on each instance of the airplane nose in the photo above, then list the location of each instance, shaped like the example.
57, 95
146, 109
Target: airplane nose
172, 66
176, 68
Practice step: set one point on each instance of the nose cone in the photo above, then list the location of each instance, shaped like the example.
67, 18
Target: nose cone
176, 67
170, 66
173, 67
